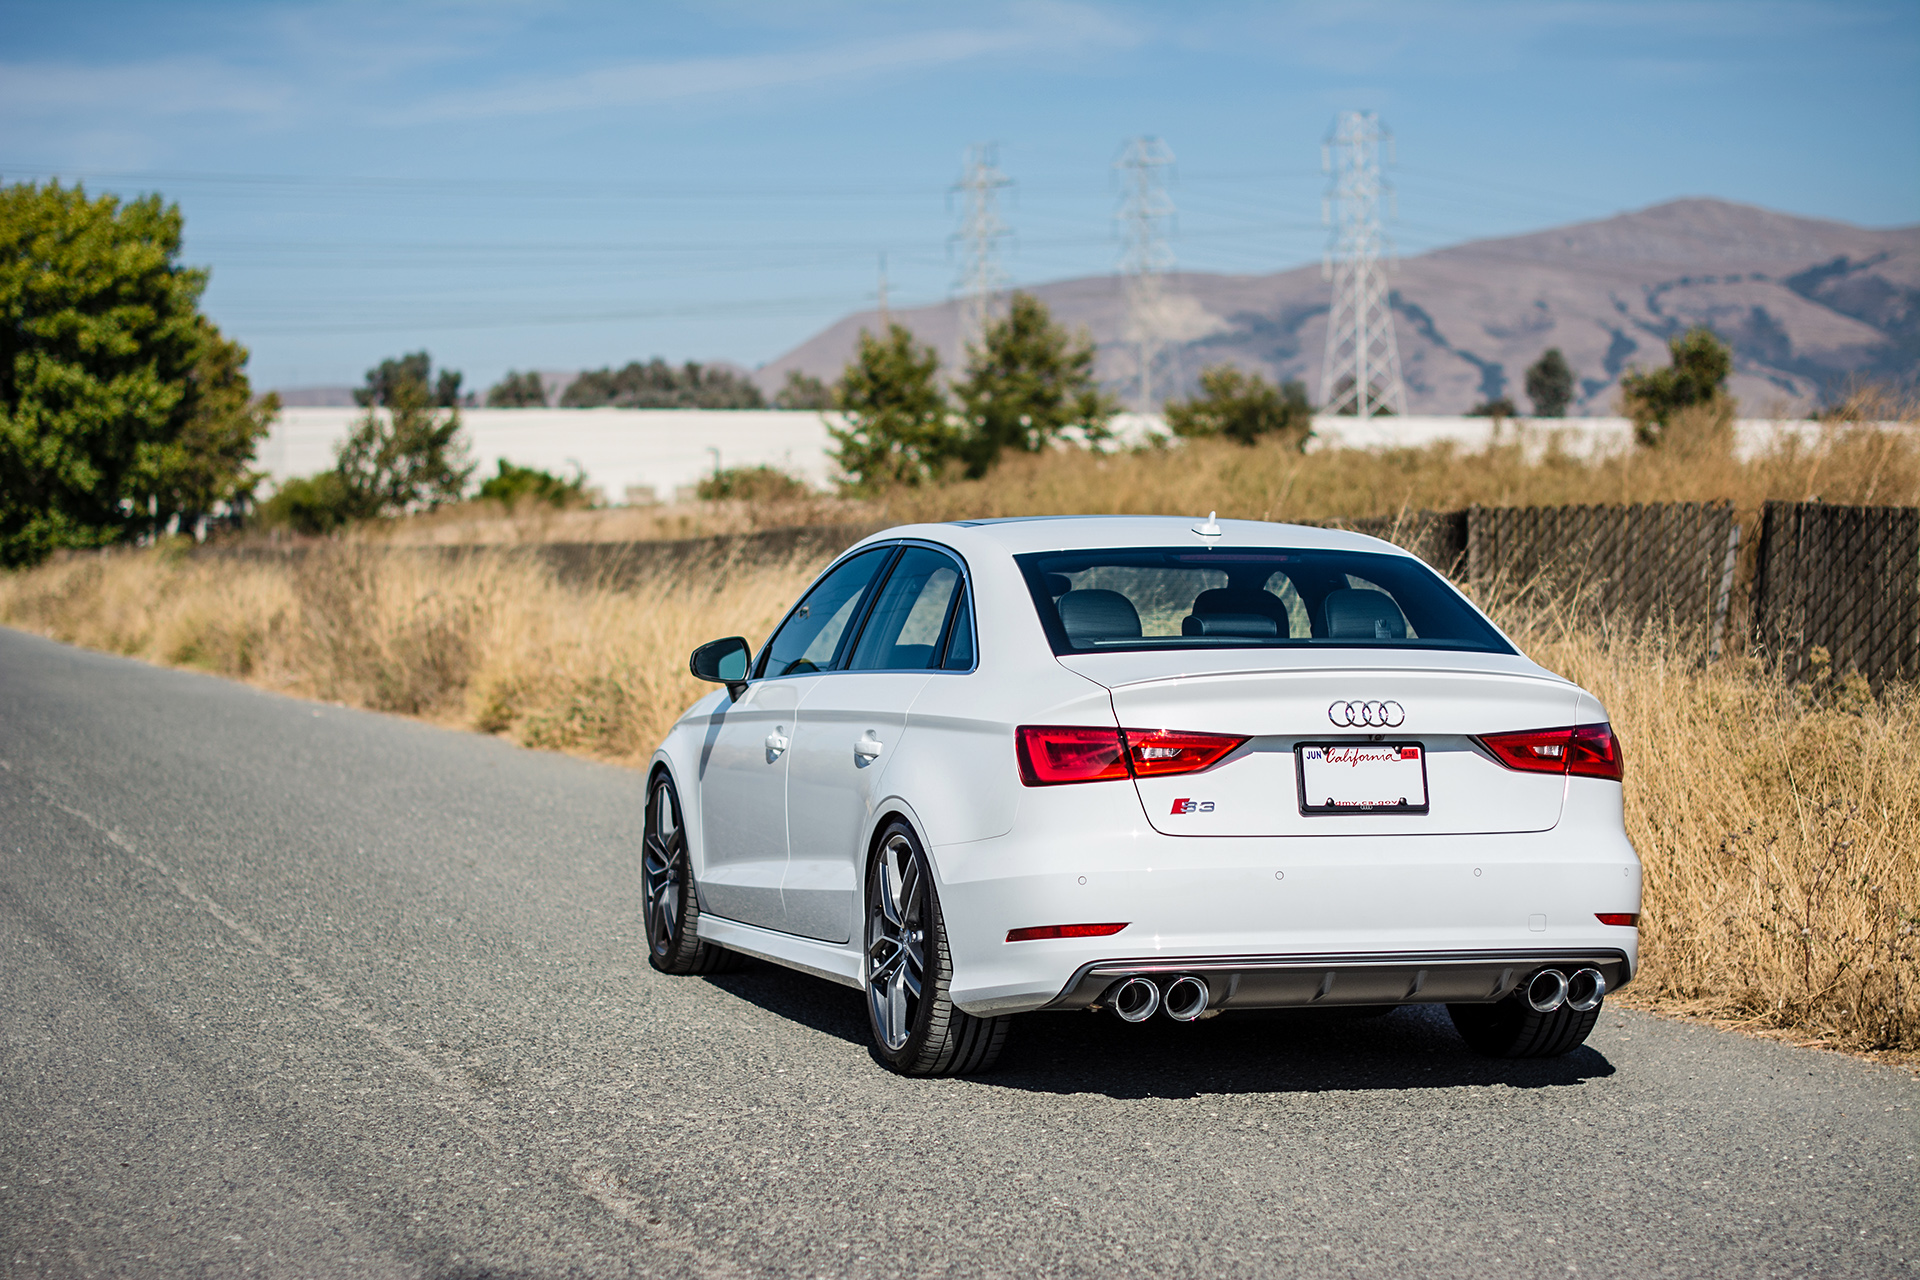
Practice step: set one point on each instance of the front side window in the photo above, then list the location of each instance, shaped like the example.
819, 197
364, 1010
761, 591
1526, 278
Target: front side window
1188, 598
810, 638
909, 618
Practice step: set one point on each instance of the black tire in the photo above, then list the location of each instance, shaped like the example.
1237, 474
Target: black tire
916, 1029
1511, 1029
670, 906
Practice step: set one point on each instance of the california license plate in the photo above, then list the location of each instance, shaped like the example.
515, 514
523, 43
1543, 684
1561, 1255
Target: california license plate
1362, 777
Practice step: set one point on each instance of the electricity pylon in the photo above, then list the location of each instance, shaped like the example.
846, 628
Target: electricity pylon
1361, 374
1146, 222
979, 237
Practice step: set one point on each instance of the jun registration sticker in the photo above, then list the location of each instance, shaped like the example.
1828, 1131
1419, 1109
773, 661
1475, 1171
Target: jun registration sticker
1362, 777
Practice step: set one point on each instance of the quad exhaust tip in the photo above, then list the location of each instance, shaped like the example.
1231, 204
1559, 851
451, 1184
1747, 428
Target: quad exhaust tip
1187, 998
1585, 989
1135, 1000
1547, 990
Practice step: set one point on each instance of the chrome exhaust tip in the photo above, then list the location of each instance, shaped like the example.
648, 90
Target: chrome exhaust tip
1187, 998
1547, 990
1134, 1000
1585, 989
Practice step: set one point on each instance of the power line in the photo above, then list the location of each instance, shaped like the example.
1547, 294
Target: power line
981, 231
1361, 372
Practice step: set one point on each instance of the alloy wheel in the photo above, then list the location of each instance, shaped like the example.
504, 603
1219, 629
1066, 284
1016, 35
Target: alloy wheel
896, 942
663, 868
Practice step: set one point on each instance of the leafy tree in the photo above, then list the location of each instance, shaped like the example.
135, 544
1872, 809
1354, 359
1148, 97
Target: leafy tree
414, 371
517, 391
899, 429
1550, 385
122, 408
658, 385
803, 391
752, 484
1027, 382
1503, 407
406, 453
516, 485
1243, 407
1695, 380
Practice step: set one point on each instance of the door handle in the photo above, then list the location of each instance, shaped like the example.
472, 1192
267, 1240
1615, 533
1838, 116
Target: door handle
777, 742
867, 748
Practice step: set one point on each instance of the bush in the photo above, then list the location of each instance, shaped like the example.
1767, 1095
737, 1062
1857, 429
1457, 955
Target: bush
1503, 407
658, 385
1243, 407
1696, 381
803, 392
513, 486
752, 484
307, 504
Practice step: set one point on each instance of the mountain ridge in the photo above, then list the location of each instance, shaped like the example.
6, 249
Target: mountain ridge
1808, 305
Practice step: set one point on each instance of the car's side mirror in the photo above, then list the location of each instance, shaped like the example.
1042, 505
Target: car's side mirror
723, 662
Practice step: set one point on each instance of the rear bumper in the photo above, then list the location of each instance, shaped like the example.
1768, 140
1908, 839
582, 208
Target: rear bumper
1394, 918
1325, 981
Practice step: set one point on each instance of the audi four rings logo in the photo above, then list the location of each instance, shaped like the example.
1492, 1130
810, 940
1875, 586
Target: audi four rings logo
1372, 715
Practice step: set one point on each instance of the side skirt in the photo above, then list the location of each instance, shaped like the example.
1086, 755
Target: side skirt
835, 962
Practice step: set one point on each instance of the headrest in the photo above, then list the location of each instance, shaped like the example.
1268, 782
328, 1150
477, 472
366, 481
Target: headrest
1230, 624
1364, 615
1058, 584
1098, 615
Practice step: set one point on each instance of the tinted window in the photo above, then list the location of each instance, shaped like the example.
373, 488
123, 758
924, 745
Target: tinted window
960, 638
1194, 598
810, 637
903, 631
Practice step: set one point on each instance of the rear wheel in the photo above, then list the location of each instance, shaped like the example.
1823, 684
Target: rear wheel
916, 1028
666, 879
1512, 1029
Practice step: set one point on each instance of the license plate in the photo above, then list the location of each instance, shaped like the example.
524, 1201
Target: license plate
1362, 777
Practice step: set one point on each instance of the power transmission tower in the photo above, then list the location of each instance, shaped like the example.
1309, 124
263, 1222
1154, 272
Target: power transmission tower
979, 237
1146, 222
1361, 374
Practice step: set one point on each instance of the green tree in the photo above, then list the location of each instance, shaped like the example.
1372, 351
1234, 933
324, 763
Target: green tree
517, 391
406, 454
658, 385
1028, 382
516, 485
899, 429
803, 391
122, 408
1694, 385
1243, 407
1550, 385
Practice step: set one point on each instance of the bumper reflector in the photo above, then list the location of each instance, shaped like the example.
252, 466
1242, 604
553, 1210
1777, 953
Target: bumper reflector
1038, 932
1627, 919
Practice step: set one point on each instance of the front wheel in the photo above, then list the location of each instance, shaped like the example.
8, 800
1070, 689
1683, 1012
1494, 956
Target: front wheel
666, 880
1511, 1028
916, 1028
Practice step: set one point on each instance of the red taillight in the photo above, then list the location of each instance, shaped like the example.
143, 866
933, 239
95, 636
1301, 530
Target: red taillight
1588, 750
1156, 753
1596, 753
1039, 932
1626, 919
1052, 754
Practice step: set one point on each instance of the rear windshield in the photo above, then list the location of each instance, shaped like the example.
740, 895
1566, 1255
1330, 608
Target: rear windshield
1193, 598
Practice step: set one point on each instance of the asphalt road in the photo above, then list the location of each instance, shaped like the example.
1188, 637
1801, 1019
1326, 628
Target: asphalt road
291, 990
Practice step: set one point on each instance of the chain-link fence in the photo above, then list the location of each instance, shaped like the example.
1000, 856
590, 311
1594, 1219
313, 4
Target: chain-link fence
1842, 579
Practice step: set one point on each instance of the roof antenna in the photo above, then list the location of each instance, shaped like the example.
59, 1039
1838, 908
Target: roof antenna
1211, 529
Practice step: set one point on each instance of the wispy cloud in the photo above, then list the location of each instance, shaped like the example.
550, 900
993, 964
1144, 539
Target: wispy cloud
1057, 28
166, 87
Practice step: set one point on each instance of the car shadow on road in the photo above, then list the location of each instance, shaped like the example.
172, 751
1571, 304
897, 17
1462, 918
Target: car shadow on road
1265, 1051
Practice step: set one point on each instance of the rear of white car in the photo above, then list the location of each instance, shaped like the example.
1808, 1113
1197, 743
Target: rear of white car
1169, 769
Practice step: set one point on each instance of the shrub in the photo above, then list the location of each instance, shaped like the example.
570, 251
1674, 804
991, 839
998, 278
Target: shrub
1243, 407
513, 486
752, 484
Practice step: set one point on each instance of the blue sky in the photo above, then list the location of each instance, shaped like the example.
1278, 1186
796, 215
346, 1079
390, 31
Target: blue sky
558, 185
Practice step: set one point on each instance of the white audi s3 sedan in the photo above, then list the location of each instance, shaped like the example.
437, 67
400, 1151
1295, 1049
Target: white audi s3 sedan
1157, 766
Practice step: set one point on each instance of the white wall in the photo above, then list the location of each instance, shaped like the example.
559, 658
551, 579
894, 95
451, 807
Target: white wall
668, 449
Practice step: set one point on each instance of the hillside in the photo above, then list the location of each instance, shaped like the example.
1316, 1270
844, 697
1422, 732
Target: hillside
1807, 304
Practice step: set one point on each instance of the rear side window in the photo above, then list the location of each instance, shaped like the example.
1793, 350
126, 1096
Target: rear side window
904, 630
1193, 598
810, 638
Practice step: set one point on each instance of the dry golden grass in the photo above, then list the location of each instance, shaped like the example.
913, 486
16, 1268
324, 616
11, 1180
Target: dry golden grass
1779, 826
